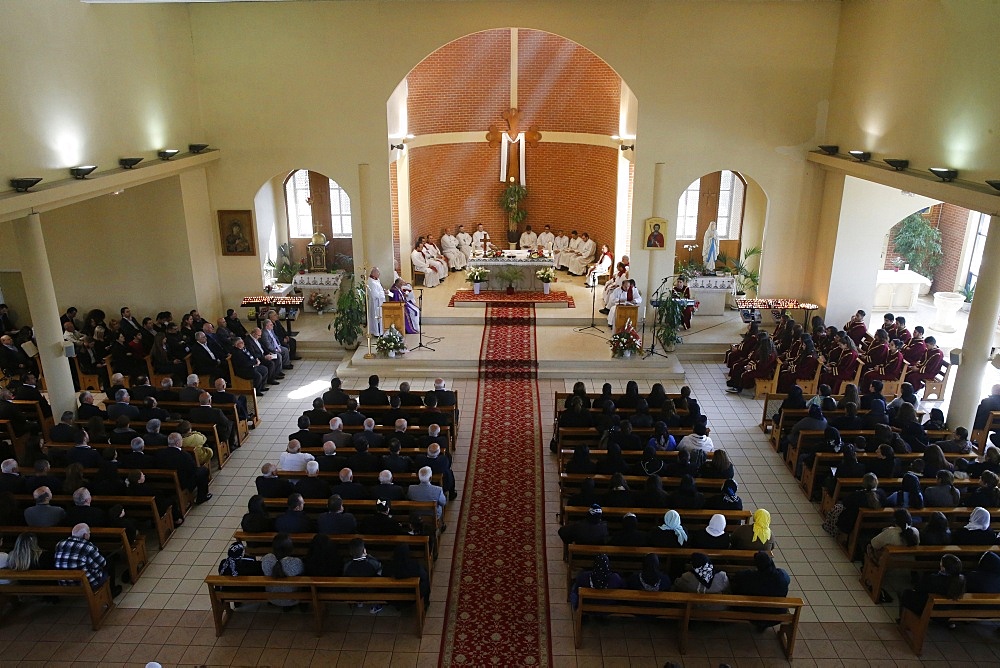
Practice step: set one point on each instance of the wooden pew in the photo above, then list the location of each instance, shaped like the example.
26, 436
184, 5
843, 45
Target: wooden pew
873, 521
47, 583
381, 547
970, 607
220, 447
631, 456
164, 480
685, 607
376, 413
921, 558
318, 592
107, 539
229, 410
981, 436
847, 485
137, 507
17, 442
386, 430
315, 507
815, 475
366, 478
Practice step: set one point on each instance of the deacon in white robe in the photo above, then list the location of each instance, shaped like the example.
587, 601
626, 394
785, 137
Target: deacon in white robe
615, 281
432, 273
432, 251
376, 297
464, 242
624, 294
546, 238
601, 268
577, 264
572, 247
449, 246
528, 239
480, 238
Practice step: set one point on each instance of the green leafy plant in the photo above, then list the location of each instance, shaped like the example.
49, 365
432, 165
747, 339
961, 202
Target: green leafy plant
919, 244
477, 274
350, 316
969, 293
283, 269
747, 279
510, 201
509, 275
669, 318
391, 340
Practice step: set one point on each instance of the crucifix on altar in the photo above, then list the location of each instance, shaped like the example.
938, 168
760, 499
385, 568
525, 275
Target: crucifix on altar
512, 143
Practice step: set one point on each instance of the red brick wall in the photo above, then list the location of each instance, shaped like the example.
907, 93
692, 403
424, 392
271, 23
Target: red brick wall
561, 86
463, 86
953, 222
394, 207
932, 217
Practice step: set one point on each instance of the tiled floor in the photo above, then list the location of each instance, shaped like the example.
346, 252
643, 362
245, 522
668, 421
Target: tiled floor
164, 617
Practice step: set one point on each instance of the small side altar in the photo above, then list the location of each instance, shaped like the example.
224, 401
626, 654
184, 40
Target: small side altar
319, 282
527, 262
711, 292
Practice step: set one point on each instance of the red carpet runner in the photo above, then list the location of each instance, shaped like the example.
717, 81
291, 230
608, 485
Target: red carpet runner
497, 612
519, 298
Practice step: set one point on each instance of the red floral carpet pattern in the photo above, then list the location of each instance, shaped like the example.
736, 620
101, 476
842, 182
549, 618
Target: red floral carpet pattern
497, 612
501, 296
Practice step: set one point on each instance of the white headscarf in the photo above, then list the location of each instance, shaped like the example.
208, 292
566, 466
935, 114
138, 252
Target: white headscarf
979, 520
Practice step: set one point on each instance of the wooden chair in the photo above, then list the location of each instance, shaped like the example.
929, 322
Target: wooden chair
88, 381
992, 424
935, 387
892, 387
811, 386
766, 386
111, 372
154, 378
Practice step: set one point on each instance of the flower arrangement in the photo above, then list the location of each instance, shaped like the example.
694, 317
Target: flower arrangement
625, 341
494, 252
546, 274
320, 301
390, 341
476, 274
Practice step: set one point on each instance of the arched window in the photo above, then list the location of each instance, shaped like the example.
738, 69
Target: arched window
703, 202
306, 197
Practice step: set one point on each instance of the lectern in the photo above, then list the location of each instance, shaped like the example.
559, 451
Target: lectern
626, 313
392, 314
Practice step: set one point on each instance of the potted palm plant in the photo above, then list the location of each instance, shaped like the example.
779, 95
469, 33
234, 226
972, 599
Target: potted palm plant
510, 276
510, 202
350, 316
747, 279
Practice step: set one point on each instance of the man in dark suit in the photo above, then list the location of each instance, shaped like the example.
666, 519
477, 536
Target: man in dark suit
385, 490
167, 391
347, 488
439, 463
372, 395
368, 437
406, 440
335, 521
247, 367
222, 396
308, 439
283, 336
122, 434
10, 411
64, 432
381, 522
318, 415
363, 461
42, 477
87, 408
152, 436
335, 396
330, 460
204, 413
11, 481
407, 398
206, 360
233, 323
312, 486
337, 434
190, 392
431, 414
394, 461
294, 520
352, 417
13, 359
272, 345
395, 412
82, 453
269, 360
141, 389
123, 406
270, 486
150, 410
29, 392
82, 512
191, 475
129, 325
135, 458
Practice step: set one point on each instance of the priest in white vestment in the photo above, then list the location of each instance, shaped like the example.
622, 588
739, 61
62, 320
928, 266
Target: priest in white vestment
449, 246
432, 273
464, 242
546, 238
572, 248
600, 268
614, 281
480, 238
376, 297
528, 239
627, 293
577, 264
433, 252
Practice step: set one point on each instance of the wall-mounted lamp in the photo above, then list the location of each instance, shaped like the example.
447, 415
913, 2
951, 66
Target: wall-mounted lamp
129, 163
993, 184
167, 153
946, 174
197, 148
628, 147
393, 147
82, 171
829, 149
861, 156
897, 164
22, 184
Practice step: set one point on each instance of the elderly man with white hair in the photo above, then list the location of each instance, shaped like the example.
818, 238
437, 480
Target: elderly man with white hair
78, 553
293, 459
10, 479
369, 436
87, 408
312, 486
43, 514
425, 491
330, 460
190, 392
347, 488
135, 458
123, 406
337, 434
439, 463
269, 485
386, 490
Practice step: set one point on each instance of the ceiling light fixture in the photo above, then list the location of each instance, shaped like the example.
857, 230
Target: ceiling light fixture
861, 156
946, 174
167, 153
897, 164
23, 183
829, 149
129, 163
197, 148
82, 171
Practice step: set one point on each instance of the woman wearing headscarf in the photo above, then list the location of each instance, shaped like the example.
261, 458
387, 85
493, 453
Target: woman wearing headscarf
875, 415
661, 438
702, 578
712, 537
909, 496
944, 494
576, 416
986, 578
977, 531
587, 495
581, 461
884, 464
650, 464
403, 565
765, 579
629, 535
869, 496
238, 563
946, 581
600, 576
687, 496
728, 499
323, 558
619, 495
794, 400
579, 390
613, 462
756, 535
670, 533
652, 494
650, 578
256, 519
936, 530
641, 419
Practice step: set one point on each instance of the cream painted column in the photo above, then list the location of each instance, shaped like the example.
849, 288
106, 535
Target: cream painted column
45, 311
403, 199
654, 270
983, 316
376, 236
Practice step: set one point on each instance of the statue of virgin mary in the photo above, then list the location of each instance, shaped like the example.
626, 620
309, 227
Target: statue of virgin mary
710, 247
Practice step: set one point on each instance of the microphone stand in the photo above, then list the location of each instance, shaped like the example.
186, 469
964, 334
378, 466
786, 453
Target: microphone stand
420, 330
656, 298
593, 304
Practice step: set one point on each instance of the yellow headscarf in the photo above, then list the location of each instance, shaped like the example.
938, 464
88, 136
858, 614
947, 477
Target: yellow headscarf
761, 525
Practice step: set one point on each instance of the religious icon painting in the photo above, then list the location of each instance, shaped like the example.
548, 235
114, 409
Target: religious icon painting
656, 233
236, 233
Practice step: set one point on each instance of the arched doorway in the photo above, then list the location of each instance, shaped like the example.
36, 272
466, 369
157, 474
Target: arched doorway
445, 172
